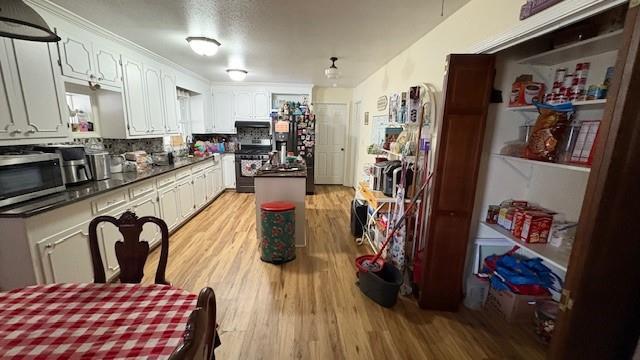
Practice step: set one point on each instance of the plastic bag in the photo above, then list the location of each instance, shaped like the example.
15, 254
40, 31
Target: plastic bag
548, 132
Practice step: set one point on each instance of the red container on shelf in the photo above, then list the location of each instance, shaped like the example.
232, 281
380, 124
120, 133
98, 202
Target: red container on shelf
536, 227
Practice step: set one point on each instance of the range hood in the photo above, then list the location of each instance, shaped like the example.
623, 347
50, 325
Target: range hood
253, 124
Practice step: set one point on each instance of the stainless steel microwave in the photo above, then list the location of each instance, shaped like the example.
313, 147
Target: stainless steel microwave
28, 176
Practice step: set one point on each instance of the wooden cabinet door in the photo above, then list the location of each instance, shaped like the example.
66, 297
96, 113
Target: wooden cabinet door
468, 84
42, 90
153, 95
261, 105
199, 189
243, 102
224, 120
170, 98
134, 96
107, 68
66, 257
76, 55
10, 123
169, 206
186, 199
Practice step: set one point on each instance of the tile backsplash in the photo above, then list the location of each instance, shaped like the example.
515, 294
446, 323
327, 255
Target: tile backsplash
245, 135
119, 146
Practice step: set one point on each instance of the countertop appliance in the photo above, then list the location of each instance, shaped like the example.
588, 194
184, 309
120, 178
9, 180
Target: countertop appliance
28, 175
377, 177
296, 131
74, 162
100, 165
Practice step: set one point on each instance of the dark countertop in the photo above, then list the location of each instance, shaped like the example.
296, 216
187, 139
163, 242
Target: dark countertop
90, 189
302, 173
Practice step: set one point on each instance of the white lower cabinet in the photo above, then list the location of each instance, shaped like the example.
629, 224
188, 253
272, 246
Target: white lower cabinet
169, 206
59, 249
186, 201
65, 257
229, 171
199, 189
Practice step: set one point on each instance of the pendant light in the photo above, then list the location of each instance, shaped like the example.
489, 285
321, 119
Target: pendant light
203, 46
237, 74
332, 71
20, 21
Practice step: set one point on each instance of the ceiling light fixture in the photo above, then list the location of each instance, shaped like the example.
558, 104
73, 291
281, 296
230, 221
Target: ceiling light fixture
332, 71
203, 46
237, 74
19, 21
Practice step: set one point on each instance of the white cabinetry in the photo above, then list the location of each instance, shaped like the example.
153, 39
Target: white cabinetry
170, 98
134, 97
243, 101
86, 59
213, 178
32, 95
229, 171
169, 206
199, 189
153, 94
65, 256
261, 105
186, 201
251, 104
223, 111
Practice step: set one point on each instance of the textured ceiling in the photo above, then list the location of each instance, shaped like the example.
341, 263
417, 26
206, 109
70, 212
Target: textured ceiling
275, 40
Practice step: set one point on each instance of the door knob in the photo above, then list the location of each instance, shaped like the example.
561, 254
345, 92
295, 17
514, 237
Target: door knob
341, 149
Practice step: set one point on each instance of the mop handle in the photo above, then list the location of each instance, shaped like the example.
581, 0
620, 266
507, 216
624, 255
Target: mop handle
399, 222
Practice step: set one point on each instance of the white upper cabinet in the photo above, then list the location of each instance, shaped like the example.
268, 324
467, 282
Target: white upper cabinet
153, 94
170, 98
134, 96
261, 105
223, 109
107, 68
243, 100
82, 57
32, 95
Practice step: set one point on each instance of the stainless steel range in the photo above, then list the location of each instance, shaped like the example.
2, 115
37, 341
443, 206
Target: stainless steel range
253, 153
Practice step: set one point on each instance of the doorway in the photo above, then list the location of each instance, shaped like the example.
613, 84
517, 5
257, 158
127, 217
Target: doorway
331, 124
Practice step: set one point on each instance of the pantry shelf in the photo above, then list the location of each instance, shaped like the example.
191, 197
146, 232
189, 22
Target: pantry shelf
589, 47
578, 168
575, 103
558, 257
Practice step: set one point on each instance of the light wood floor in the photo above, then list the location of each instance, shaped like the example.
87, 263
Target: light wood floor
311, 308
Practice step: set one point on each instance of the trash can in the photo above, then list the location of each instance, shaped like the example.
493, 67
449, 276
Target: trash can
278, 221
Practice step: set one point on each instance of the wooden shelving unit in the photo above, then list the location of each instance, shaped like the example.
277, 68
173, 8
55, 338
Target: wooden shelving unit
589, 47
585, 103
571, 167
558, 257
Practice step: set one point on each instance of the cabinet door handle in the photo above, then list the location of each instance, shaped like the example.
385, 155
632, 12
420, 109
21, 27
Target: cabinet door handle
30, 131
49, 246
17, 131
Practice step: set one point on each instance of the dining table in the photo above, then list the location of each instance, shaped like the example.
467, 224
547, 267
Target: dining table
93, 321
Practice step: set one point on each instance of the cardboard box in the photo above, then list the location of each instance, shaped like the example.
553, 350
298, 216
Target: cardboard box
536, 227
525, 92
511, 306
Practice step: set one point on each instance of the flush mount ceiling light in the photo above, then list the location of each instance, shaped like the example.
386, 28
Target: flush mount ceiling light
19, 21
332, 71
237, 74
203, 46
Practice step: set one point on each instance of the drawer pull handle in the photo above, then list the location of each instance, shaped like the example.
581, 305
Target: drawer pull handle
49, 246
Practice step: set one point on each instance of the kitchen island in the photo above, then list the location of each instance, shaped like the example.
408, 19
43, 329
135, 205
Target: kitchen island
283, 185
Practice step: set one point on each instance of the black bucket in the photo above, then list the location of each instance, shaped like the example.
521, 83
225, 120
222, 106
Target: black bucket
382, 286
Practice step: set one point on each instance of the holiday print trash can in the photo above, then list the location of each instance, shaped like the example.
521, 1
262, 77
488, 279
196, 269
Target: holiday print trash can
278, 221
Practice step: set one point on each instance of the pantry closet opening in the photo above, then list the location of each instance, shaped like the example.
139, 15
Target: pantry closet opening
577, 64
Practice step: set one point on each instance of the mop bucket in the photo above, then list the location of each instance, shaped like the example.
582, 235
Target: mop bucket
382, 286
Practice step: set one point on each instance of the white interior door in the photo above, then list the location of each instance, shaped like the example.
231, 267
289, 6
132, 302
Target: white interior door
331, 123
352, 163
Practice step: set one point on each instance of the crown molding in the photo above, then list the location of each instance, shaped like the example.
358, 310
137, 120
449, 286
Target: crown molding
562, 14
77, 20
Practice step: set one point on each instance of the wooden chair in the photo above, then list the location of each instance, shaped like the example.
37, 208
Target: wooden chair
200, 337
131, 253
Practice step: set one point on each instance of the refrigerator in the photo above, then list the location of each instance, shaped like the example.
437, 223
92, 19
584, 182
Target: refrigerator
294, 126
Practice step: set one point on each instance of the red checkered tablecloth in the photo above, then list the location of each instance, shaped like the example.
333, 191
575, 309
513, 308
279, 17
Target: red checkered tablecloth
93, 321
